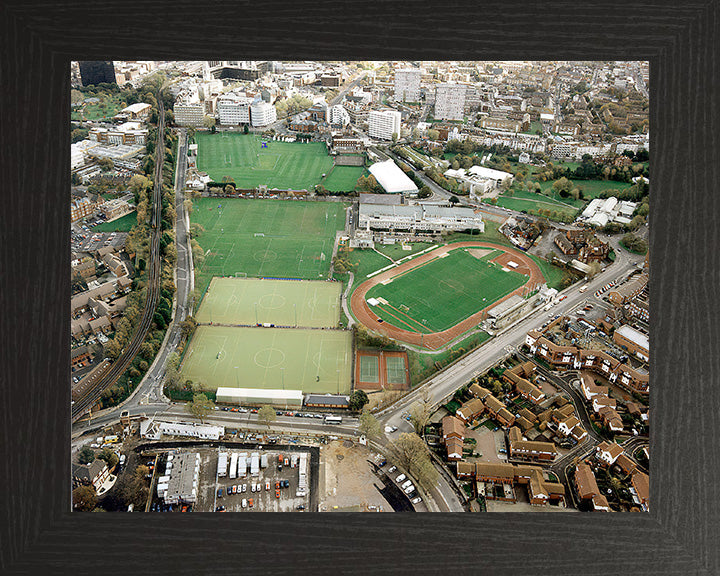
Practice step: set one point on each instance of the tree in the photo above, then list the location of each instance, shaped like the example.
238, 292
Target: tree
433, 134
358, 399
424, 192
134, 489
110, 457
86, 455
595, 269
246, 129
209, 122
368, 425
411, 453
453, 200
84, 498
394, 137
420, 412
200, 406
266, 415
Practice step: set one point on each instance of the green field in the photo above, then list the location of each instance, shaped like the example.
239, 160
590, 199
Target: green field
523, 200
283, 165
270, 358
297, 243
343, 178
249, 301
443, 292
122, 224
590, 189
108, 106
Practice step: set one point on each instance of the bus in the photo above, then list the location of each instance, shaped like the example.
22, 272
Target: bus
333, 419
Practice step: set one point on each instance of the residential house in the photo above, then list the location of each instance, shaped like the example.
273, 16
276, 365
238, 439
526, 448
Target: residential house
470, 410
608, 452
529, 451
498, 411
93, 474
478, 391
640, 483
587, 488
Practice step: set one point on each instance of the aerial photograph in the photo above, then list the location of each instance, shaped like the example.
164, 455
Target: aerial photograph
360, 286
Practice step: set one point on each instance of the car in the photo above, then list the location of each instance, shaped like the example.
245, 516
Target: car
254, 411
382, 463
244, 503
391, 469
225, 409
409, 489
244, 487
298, 414
416, 500
250, 502
277, 484
400, 478
252, 487
278, 413
233, 409
300, 507
277, 493
287, 483
220, 509
318, 416
267, 485
406, 484
220, 493
287, 462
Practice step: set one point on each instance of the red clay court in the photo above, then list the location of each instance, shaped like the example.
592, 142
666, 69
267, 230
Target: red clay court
420, 313
381, 370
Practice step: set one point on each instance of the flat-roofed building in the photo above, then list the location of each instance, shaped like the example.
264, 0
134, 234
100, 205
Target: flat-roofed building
255, 397
449, 101
383, 124
407, 84
633, 341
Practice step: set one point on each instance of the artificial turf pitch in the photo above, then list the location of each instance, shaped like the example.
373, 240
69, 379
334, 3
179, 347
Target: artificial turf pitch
282, 165
267, 238
249, 301
443, 292
316, 361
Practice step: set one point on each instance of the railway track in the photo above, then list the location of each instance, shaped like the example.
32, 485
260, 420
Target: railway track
110, 375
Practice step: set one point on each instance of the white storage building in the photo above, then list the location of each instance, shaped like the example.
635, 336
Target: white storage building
252, 396
392, 179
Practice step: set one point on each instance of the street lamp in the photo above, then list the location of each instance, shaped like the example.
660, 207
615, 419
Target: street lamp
282, 373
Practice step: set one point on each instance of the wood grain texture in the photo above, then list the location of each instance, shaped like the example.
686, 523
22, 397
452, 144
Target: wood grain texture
679, 536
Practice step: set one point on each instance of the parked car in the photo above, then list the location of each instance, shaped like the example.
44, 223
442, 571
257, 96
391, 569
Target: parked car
287, 483
250, 502
244, 503
391, 469
220, 493
267, 485
277, 493
244, 487
406, 484
400, 478
416, 500
409, 489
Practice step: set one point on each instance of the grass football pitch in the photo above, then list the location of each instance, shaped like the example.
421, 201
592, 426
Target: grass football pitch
343, 178
283, 165
443, 292
267, 238
317, 361
248, 301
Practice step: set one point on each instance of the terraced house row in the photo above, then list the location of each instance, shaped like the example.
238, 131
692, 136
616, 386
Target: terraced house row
572, 357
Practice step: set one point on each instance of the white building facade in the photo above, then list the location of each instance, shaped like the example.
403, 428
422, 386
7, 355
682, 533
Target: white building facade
233, 110
407, 85
382, 124
449, 101
262, 113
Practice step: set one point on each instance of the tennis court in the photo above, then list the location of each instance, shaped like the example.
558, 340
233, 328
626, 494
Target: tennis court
442, 292
250, 301
396, 369
369, 369
316, 361
267, 238
283, 165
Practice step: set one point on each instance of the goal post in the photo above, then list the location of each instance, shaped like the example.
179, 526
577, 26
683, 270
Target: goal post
240, 274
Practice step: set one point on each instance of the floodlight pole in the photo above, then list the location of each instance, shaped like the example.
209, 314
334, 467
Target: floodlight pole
282, 372
256, 316
295, 308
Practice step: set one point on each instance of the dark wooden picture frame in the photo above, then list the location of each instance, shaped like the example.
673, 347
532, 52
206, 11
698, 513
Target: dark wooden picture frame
38, 534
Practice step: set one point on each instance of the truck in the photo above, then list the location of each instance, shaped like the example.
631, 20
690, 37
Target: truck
242, 465
222, 464
583, 289
233, 465
255, 464
264, 461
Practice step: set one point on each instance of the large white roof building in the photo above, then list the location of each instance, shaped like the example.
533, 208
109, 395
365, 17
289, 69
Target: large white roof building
254, 396
392, 179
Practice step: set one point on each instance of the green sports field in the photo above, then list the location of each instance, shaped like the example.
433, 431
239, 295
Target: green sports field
443, 292
122, 224
248, 301
270, 358
343, 178
283, 165
267, 238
